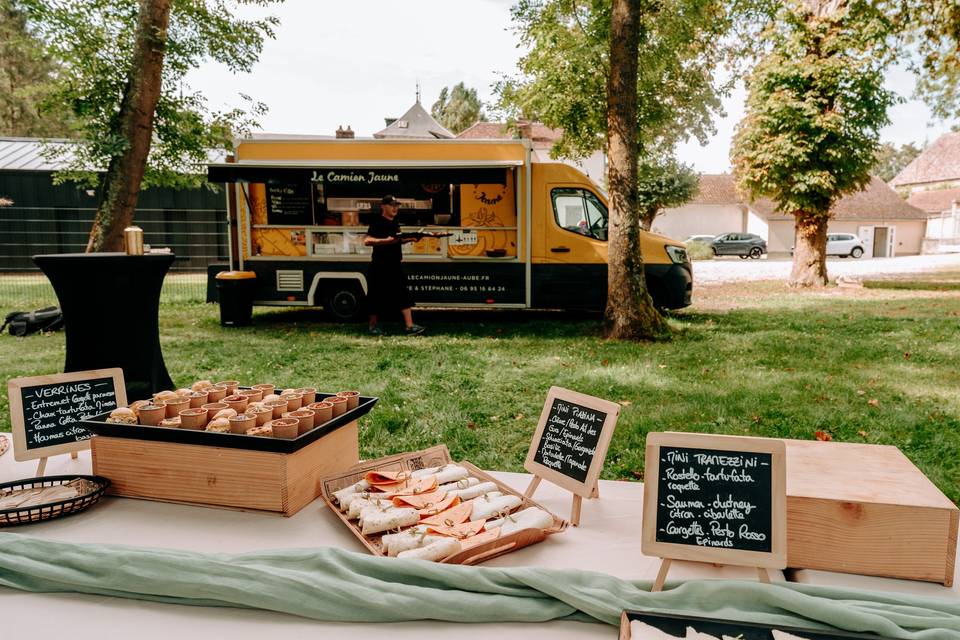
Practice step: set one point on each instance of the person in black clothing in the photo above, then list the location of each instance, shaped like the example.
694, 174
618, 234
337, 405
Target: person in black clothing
388, 283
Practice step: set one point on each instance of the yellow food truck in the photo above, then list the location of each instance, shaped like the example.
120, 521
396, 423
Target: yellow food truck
518, 233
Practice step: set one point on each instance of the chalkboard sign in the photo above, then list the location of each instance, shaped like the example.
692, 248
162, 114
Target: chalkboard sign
289, 204
715, 498
45, 410
571, 440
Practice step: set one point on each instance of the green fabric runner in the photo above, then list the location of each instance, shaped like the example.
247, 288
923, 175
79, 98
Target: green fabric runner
335, 585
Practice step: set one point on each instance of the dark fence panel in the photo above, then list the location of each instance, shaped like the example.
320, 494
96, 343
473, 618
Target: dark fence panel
49, 218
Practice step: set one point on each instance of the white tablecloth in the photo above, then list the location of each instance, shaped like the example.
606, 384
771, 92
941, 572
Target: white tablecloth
608, 540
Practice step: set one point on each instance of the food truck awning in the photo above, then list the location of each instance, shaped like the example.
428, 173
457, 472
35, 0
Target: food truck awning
363, 172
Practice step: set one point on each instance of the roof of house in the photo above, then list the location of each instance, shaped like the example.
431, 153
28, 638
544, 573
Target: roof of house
26, 154
938, 162
542, 136
876, 201
935, 200
415, 123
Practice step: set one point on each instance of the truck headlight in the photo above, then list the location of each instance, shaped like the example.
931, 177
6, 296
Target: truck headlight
678, 255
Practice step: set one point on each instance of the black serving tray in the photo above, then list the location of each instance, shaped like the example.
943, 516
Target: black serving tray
676, 625
50, 510
99, 426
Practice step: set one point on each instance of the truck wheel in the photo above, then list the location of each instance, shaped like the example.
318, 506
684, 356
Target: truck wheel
344, 302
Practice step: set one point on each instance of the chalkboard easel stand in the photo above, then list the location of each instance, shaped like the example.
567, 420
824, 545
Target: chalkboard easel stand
577, 500
42, 466
665, 563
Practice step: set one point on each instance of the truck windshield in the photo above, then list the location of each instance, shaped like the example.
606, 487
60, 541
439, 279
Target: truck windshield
580, 211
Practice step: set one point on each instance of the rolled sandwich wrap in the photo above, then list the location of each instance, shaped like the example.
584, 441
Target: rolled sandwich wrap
359, 504
375, 509
462, 483
527, 519
434, 551
356, 487
519, 514
379, 521
451, 473
475, 491
483, 509
395, 543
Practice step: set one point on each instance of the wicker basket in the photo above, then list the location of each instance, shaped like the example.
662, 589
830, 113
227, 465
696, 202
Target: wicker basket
50, 510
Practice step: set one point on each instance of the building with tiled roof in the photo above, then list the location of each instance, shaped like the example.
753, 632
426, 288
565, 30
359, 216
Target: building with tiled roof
937, 167
542, 138
416, 123
875, 212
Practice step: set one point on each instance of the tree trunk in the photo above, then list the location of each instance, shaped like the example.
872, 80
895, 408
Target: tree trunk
630, 313
121, 185
646, 218
810, 251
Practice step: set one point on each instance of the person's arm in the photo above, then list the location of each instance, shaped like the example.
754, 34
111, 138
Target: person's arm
370, 241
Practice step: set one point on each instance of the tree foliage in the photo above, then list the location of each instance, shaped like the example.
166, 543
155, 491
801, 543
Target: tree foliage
562, 80
94, 40
458, 108
890, 159
932, 28
662, 183
815, 107
27, 75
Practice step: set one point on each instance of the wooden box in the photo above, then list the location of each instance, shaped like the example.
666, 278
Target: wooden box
866, 509
438, 456
223, 477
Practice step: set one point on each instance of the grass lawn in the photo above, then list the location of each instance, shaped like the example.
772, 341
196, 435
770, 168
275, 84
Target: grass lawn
867, 365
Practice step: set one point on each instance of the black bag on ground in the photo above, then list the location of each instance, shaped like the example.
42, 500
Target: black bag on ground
26, 322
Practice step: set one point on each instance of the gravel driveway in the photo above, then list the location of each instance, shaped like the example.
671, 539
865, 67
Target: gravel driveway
731, 269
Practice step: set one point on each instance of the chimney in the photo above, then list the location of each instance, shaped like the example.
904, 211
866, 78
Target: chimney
345, 133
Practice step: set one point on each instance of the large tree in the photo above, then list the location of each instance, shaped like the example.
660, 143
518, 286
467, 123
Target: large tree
27, 75
931, 28
565, 82
458, 108
633, 316
815, 107
124, 67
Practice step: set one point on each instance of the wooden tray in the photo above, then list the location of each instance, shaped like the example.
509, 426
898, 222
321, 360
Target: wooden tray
100, 427
435, 457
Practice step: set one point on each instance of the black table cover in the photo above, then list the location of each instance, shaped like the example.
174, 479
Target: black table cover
110, 303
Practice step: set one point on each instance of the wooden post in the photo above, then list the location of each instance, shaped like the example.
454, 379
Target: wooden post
41, 467
764, 575
575, 510
661, 575
73, 455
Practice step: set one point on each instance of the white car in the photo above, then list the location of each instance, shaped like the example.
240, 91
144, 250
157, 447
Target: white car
844, 244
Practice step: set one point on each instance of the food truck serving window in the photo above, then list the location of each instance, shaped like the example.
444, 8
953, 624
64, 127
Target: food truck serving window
579, 211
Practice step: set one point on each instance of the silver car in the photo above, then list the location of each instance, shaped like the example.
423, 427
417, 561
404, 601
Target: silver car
844, 244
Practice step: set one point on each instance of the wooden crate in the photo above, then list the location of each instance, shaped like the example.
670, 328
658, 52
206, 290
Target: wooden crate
223, 477
866, 509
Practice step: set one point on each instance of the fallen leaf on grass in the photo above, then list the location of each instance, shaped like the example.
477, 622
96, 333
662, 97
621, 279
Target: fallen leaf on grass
604, 362
637, 474
861, 392
756, 419
662, 366
823, 436
906, 354
625, 403
472, 426
519, 416
873, 402
862, 433
494, 418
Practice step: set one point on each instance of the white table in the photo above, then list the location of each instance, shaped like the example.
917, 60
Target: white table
608, 540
